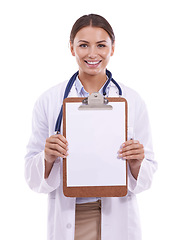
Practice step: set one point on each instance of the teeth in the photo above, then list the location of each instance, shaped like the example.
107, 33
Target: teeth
93, 63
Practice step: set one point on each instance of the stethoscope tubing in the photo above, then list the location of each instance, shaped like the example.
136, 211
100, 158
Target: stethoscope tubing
68, 89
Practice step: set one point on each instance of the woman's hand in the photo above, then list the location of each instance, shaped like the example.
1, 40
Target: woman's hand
56, 146
133, 152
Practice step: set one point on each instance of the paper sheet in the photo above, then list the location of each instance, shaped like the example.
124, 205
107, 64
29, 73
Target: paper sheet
94, 139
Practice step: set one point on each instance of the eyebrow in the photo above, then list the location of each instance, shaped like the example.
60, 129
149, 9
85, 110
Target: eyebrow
88, 42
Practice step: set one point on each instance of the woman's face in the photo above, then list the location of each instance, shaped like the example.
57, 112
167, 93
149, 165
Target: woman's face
92, 48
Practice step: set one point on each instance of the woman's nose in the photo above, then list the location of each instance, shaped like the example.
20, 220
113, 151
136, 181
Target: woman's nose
92, 52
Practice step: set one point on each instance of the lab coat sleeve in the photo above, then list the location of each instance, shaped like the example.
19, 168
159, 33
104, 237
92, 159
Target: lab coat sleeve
142, 132
34, 159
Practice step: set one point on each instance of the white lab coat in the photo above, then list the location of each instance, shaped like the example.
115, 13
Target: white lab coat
120, 217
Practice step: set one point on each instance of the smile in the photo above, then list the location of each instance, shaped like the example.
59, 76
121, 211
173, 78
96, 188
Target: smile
93, 63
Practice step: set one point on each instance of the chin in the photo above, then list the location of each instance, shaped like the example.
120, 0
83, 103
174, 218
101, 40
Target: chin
94, 72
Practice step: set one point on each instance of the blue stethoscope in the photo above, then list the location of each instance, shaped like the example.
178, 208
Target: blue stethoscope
67, 91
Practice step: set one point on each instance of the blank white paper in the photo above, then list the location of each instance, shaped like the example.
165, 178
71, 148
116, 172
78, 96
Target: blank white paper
94, 138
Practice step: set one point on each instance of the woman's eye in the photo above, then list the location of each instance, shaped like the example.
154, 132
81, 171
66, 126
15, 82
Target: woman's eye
83, 45
101, 45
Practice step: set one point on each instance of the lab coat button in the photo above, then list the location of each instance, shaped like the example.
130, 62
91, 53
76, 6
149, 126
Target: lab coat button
69, 225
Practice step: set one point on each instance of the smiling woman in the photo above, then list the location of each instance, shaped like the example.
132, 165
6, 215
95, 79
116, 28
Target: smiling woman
92, 48
92, 42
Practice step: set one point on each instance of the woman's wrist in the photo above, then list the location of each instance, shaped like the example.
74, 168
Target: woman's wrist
48, 168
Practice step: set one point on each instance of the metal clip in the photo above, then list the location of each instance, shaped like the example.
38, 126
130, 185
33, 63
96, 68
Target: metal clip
95, 101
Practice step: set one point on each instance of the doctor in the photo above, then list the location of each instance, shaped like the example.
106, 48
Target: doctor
92, 43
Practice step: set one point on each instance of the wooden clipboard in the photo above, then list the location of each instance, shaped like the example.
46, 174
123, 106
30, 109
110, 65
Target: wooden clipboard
93, 168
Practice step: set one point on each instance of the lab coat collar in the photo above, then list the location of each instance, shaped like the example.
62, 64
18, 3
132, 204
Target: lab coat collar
113, 91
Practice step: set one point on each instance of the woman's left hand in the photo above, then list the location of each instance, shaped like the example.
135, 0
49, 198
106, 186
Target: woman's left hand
133, 152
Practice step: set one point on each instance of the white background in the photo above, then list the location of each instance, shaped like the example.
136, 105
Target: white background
34, 55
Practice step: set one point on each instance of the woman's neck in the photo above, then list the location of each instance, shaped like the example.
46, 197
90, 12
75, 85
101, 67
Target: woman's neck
92, 83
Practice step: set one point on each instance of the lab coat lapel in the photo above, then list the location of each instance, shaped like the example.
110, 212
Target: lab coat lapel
73, 92
113, 91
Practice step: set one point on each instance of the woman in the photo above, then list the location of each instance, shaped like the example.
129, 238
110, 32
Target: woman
92, 42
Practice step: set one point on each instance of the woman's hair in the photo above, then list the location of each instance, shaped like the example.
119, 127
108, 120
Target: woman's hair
93, 20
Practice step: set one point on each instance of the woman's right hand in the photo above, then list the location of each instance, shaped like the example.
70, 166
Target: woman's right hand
56, 146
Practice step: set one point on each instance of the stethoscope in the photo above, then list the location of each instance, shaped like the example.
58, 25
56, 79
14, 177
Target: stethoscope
68, 88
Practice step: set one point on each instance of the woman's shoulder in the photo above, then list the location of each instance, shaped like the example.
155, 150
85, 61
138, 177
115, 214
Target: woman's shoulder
55, 91
130, 93
134, 99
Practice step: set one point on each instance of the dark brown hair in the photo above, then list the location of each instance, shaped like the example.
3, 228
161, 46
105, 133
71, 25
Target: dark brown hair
93, 20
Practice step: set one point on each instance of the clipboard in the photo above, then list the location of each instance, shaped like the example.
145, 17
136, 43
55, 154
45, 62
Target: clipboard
95, 128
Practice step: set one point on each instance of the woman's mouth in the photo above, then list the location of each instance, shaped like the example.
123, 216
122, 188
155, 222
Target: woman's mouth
93, 63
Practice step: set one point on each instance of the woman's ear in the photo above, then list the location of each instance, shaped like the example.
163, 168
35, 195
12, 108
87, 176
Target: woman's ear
72, 49
112, 49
